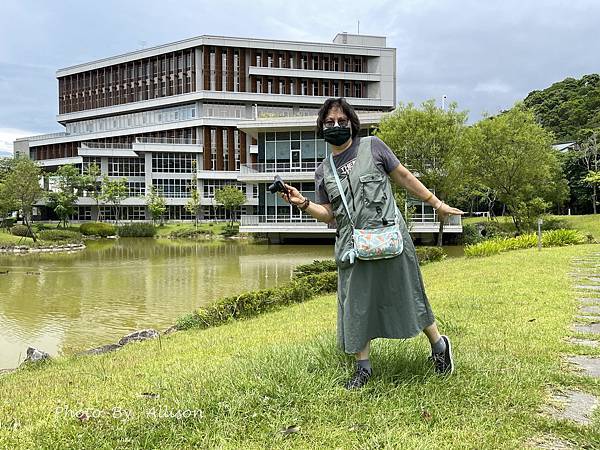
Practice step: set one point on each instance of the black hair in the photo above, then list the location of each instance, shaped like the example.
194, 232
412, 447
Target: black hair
345, 107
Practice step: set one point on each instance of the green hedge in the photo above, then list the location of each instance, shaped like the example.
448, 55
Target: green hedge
552, 238
190, 233
327, 265
430, 254
252, 303
20, 230
98, 229
139, 229
59, 235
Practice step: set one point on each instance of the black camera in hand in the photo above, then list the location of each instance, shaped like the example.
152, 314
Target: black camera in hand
278, 186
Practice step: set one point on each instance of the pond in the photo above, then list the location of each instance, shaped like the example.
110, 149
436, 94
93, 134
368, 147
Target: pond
63, 303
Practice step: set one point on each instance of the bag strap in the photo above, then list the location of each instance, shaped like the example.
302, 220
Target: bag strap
339, 185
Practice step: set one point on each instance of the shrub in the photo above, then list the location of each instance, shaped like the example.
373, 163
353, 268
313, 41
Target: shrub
558, 238
20, 230
8, 222
98, 229
430, 254
230, 231
60, 235
252, 303
190, 233
139, 229
552, 238
470, 234
327, 265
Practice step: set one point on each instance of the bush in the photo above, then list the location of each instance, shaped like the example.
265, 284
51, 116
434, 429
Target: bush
327, 265
190, 233
552, 238
97, 229
60, 235
139, 229
252, 303
20, 230
470, 234
430, 254
230, 231
558, 238
8, 222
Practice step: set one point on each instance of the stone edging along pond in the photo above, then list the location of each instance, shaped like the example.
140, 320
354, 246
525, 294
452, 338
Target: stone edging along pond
23, 249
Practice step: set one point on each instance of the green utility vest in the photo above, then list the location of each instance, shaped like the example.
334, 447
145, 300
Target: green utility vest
368, 193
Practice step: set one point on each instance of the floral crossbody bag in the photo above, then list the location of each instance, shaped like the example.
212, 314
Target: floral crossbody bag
370, 243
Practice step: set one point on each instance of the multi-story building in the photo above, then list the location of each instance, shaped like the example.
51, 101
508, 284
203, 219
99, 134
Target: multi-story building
212, 111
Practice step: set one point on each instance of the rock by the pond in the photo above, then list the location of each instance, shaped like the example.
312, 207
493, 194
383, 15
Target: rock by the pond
33, 355
171, 329
103, 349
575, 405
589, 365
140, 335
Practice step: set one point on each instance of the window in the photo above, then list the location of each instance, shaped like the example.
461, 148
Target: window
136, 189
173, 162
173, 188
123, 167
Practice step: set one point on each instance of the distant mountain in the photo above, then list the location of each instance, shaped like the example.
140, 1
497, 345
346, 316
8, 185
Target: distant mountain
5, 154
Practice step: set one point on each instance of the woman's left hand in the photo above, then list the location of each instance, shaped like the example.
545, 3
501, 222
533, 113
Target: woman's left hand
447, 210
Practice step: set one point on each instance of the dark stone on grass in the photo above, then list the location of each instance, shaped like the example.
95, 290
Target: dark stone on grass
589, 365
591, 328
34, 355
140, 335
576, 406
103, 349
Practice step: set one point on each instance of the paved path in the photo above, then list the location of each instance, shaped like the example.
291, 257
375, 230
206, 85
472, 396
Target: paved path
576, 405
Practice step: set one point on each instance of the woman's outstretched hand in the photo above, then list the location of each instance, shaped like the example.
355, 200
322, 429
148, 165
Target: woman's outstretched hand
447, 210
295, 198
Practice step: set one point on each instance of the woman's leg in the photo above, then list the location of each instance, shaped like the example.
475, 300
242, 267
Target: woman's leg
432, 333
364, 353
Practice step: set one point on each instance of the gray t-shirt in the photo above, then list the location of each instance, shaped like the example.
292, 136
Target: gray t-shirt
384, 158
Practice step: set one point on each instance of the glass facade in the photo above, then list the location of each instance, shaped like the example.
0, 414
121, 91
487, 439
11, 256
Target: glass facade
173, 162
173, 188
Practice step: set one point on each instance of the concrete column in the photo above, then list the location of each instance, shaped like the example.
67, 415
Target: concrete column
104, 165
148, 170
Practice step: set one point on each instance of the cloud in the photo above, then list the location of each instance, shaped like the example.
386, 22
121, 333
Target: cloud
9, 135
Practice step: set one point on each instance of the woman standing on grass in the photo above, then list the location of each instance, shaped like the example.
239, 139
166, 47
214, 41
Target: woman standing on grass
376, 298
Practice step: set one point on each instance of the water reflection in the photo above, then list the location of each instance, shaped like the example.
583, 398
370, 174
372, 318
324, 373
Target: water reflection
68, 302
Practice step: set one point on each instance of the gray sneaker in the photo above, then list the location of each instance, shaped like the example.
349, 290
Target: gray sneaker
359, 379
443, 362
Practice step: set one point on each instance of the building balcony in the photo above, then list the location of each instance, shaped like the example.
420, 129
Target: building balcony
181, 145
317, 74
102, 149
284, 224
263, 172
421, 223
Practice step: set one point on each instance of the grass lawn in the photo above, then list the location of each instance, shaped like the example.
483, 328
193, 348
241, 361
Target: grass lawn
506, 314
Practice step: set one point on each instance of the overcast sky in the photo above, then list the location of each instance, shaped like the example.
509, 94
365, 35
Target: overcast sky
483, 55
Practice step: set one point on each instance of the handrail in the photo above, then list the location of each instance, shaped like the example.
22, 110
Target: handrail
175, 141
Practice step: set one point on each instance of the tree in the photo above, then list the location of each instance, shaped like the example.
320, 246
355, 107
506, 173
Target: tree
590, 159
231, 198
193, 205
92, 185
63, 201
156, 204
514, 157
431, 142
114, 192
22, 188
593, 179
